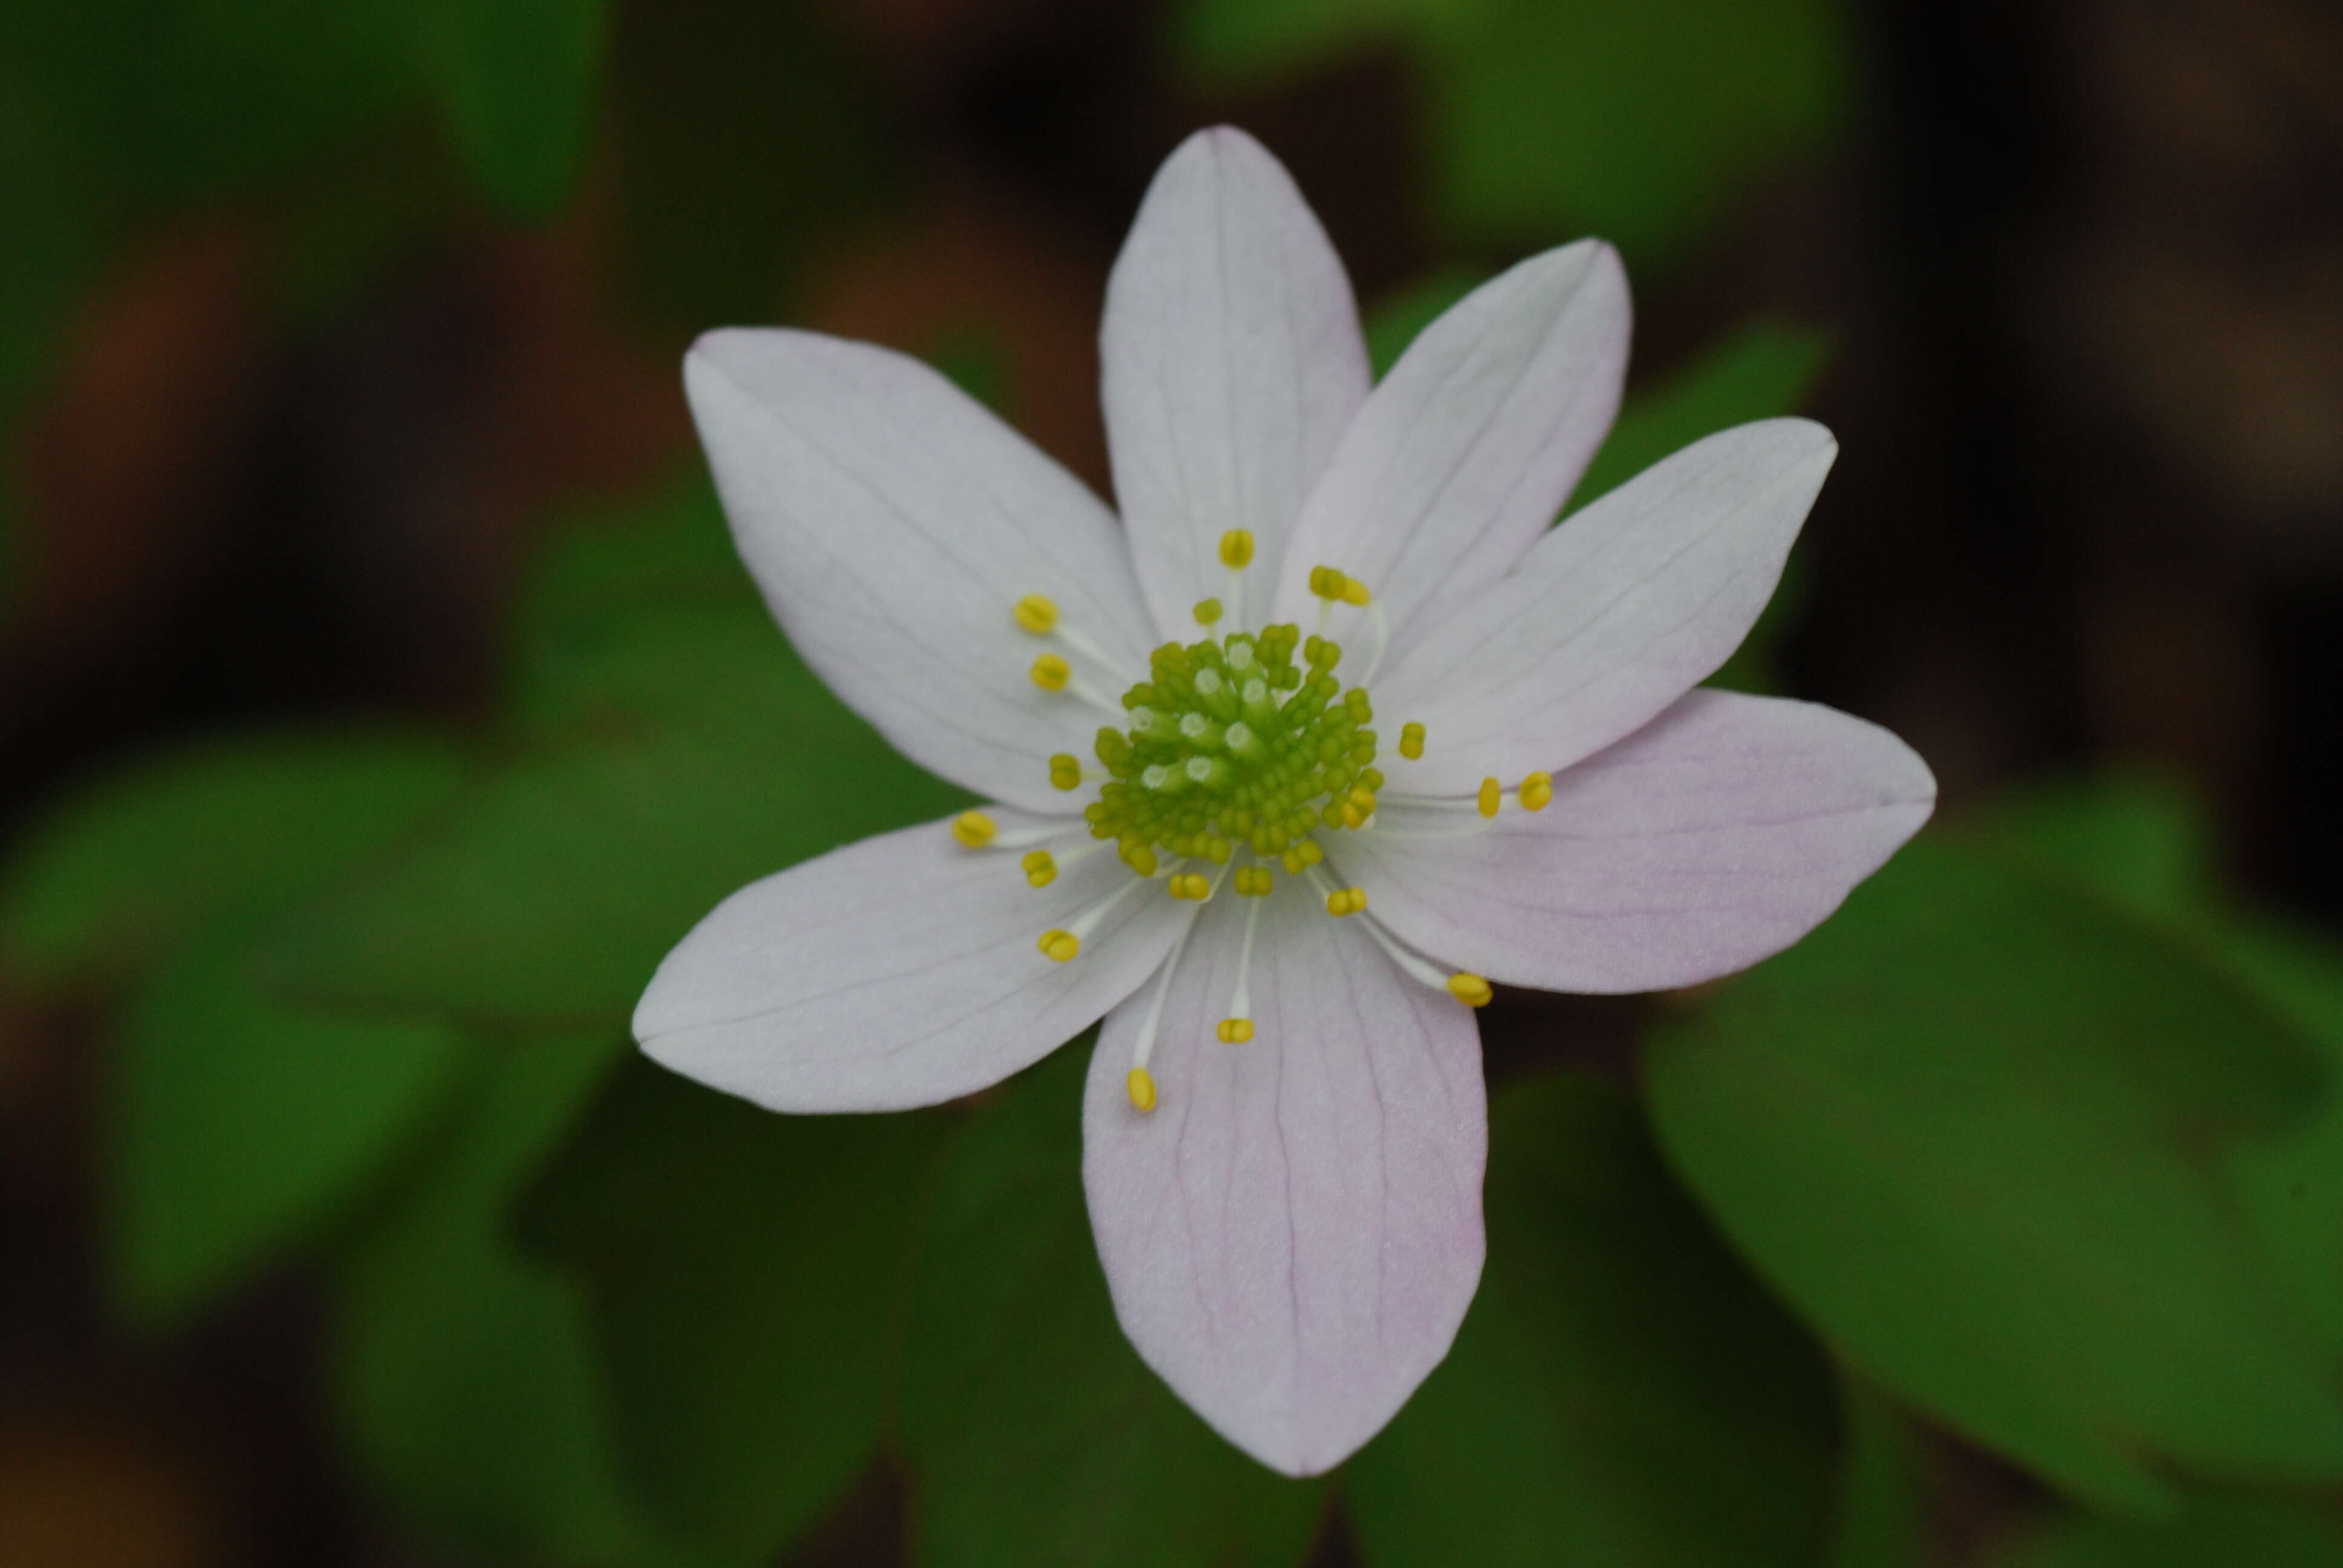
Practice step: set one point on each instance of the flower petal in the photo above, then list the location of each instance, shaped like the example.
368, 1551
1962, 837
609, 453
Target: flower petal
899, 971
1461, 458
1613, 615
893, 523
1715, 836
1293, 1235
1233, 363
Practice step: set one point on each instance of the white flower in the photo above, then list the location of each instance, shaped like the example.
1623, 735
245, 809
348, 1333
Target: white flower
1300, 895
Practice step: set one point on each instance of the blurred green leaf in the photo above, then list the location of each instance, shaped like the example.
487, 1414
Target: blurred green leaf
161, 101
1394, 322
1763, 370
2138, 840
241, 1126
1631, 119
744, 1271
1882, 1506
2143, 842
2209, 1532
742, 133
215, 835
517, 80
466, 1377
670, 552
1970, 1128
1621, 1392
553, 889
1034, 1433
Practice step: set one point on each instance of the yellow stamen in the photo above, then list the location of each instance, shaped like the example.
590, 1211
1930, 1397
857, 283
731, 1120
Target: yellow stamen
1041, 869
1191, 885
1537, 789
1346, 902
1355, 592
1411, 742
974, 829
1052, 672
1065, 771
1470, 989
1325, 582
1037, 614
1207, 611
1252, 881
1062, 946
1236, 548
1235, 1030
1141, 1084
1491, 793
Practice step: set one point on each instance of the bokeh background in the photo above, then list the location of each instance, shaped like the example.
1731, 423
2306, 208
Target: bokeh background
378, 700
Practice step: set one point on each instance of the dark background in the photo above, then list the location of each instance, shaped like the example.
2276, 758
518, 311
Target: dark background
2081, 262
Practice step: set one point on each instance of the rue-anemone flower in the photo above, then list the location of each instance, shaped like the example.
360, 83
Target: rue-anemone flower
1329, 734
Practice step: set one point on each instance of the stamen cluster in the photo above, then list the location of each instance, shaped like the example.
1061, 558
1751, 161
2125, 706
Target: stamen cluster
1233, 741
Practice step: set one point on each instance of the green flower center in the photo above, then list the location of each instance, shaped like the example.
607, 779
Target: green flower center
1234, 741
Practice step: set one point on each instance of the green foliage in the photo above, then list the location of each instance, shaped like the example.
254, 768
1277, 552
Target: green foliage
1633, 119
2142, 843
1622, 1391
742, 131
1763, 370
240, 1126
1881, 1505
1034, 1433
1970, 1129
694, 753
2208, 1533
516, 79
465, 1376
743, 1270
1393, 324
218, 835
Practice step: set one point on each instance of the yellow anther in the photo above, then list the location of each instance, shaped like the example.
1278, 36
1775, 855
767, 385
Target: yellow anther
1141, 1085
1052, 672
1037, 613
1411, 742
1252, 881
1351, 816
1139, 857
975, 830
1235, 1030
1346, 902
1491, 793
1207, 611
1065, 771
1470, 989
1040, 869
1188, 885
1355, 592
1365, 800
1326, 582
1537, 790
1060, 945
1236, 548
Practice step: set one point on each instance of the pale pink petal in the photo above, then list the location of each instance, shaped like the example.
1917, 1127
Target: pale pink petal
1233, 363
1292, 1234
899, 971
1613, 615
893, 523
1716, 836
1459, 461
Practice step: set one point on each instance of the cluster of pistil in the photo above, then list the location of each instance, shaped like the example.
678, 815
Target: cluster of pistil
1231, 756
